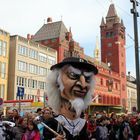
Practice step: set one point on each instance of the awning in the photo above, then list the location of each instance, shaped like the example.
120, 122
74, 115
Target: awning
116, 107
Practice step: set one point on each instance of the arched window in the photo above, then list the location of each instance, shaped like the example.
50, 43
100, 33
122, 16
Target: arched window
111, 100
101, 81
115, 101
104, 99
118, 100
100, 98
108, 100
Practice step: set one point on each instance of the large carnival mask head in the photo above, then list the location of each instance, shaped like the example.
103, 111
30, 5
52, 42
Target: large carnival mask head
75, 81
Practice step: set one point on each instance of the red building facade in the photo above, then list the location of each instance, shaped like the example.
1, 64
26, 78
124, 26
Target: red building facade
56, 36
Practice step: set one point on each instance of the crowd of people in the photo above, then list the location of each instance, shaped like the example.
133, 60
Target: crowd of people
26, 127
103, 126
99, 125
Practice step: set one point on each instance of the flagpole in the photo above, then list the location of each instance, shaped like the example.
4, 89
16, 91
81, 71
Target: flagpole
44, 99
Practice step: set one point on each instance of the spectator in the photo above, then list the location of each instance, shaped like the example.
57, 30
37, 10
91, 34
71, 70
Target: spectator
18, 131
9, 116
91, 127
32, 132
101, 130
39, 111
15, 114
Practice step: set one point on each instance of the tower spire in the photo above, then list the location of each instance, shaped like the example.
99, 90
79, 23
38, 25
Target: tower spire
112, 16
111, 1
112, 11
97, 50
102, 22
61, 17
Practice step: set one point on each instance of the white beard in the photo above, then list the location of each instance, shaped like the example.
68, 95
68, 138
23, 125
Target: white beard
78, 105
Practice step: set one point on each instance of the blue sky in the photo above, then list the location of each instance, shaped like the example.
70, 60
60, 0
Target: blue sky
83, 16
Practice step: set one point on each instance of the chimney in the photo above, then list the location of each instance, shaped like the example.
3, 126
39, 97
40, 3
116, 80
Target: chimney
32, 36
129, 73
28, 36
49, 20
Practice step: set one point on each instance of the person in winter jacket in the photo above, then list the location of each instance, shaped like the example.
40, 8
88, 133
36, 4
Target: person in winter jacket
32, 132
18, 131
102, 130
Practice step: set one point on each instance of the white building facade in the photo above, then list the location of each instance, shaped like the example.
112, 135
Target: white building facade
29, 64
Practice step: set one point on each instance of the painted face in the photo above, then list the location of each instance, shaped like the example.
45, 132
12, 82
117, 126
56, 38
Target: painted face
75, 82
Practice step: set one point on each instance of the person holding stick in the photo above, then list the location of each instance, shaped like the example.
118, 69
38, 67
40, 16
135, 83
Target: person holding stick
70, 87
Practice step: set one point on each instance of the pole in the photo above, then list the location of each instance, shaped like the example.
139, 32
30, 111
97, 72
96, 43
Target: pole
135, 15
19, 104
50, 129
89, 112
96, 97
44, 99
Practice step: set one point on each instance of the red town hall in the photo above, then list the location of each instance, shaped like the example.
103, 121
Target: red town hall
110, 92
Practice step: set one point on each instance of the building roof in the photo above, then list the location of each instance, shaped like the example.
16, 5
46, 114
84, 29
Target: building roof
97, 63
122, 22
102, 22
50, 31
131, 79
3, 31
112, 11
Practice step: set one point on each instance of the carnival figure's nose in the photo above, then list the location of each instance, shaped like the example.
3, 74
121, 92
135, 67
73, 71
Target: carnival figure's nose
82, 81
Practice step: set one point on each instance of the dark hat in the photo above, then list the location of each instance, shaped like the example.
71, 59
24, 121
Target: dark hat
38, 110
76, 62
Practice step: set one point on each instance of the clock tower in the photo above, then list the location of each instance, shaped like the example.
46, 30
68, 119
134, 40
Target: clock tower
113, 48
